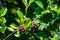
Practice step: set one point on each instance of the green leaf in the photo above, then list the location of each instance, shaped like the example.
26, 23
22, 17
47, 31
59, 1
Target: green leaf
40, 4
2, 29
17, 34
57, 10
28, 23
20, 14
0, 21
24, 2
13, 25
3, 20
30, 1
45, 12
3, 11
10, 29
18, 20
49, 1
42, 26
22, 21
36, 21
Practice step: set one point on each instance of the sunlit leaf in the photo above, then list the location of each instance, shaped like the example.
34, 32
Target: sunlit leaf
57, 10
49, 0
3, 11
18, 20
24, 2
2, 29
10, 29
19, 13
45, 12
40, 4
42, 26
0, 21
17, 34
4, 20
28, 23
13, 25
30, 1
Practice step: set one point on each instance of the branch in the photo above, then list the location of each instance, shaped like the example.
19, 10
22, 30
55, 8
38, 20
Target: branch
9, 35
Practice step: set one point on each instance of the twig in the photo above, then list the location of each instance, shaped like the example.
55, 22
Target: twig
9, 35
26, 9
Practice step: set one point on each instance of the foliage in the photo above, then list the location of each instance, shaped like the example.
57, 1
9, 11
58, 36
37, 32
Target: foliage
29, 19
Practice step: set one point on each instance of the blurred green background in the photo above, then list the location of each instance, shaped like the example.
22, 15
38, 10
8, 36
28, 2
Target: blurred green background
29, 19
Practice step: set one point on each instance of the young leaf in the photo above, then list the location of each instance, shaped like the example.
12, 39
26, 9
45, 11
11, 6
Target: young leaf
2, 29
3, 20
19, 13
57, 10
3, 11
31, 1
13, 25
10, 29
28, 23
24, 2
42, 26
17, 34
40, 4
18, 20
0, 21
49, 1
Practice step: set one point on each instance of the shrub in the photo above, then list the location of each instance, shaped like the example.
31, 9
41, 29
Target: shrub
29, 20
